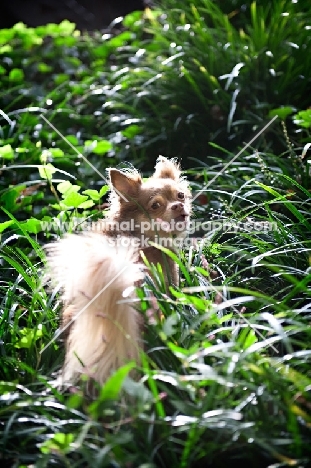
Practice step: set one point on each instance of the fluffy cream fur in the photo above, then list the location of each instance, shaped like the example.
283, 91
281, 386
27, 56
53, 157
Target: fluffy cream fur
93, 275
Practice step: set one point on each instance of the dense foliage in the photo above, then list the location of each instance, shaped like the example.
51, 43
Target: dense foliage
225, 377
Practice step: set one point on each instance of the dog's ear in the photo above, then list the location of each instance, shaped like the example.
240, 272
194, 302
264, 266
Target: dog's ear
167, 169
125, 184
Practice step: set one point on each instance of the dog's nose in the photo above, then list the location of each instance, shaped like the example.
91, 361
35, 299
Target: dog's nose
177, 206
180, 207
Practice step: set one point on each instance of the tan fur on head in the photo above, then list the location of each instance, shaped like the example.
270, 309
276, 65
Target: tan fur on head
131, 198
167, 169
127, 184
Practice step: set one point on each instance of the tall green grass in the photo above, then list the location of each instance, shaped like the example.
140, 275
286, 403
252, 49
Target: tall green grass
226, 370
225, 374
205, 75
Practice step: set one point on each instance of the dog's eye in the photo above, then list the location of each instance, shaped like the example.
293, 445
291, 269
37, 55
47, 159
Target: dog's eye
155, 205
181, 196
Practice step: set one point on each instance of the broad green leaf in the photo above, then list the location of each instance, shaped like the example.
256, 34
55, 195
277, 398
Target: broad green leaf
103, 190
29, 337
72, 139
61, 78
44, 68
56, 152
6, 152
6, 387
303, 118
113, 385
46, 171
74, 199
66, 28
102, 147
132, 131
16, 75
5, 49
282, 112
5, 225
87, 204
32, 225
131, 18
66, 187
120, 39
59, 443
94, 194
21, 150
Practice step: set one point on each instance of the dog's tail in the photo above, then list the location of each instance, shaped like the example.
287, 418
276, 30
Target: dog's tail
97, 278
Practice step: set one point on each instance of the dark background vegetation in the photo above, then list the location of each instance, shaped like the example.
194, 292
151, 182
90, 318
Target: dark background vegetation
225, 377
86, 14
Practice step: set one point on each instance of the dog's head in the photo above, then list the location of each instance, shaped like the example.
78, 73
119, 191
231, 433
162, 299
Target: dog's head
159, 206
